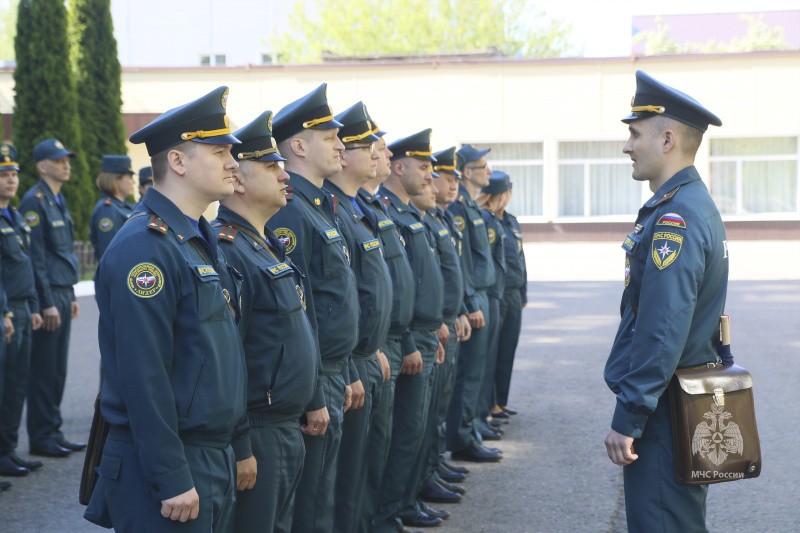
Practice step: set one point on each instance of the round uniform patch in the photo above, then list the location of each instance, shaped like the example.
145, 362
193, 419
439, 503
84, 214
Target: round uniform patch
627, 271
4, 149
458, 222
105, 224
32, 218
59, 145
145, 280
224, 100
492, 235
287, 237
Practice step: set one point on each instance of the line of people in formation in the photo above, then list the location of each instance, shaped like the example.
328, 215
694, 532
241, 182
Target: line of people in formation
305, 362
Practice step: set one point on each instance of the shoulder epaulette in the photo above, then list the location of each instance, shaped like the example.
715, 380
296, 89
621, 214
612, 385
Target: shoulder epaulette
461, 199
107, 201
335, 202
289, 193
156, 224
39, 194
667, 197
227, 233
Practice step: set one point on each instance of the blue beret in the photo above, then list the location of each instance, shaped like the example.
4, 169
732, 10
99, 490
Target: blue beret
417, 146
50, 149
655, 98
258, 144
499, 182
117, 163
202, 121
446, 161
8, 157
309, 112
468, 154
356, 125
145, 175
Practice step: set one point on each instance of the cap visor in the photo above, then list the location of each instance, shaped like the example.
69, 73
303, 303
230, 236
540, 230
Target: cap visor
270, 157
327, 125
218, 139
435, 174
8, 167
381, 133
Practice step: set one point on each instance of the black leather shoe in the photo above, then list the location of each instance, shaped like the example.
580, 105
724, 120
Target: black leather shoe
51, 449
477, 454
452, 487
509, 411
458, 469
435, 493
450, 476
500, 416
71, 446
496, 429
5, 485
12, 469
488, 434
421, 520
30, 465
492, 450
436, 513
495, 424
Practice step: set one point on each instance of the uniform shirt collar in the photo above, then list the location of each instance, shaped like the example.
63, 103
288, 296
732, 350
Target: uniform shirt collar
48, 191
687, 175
232, 217
465, 193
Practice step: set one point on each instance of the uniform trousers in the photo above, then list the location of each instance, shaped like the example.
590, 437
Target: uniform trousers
351, 476
313, 508
279, 452
462, 417
49, 374
404, 464
487, 387
445, 381
17, 369
134, 508
510, 328
654, 501
378, 452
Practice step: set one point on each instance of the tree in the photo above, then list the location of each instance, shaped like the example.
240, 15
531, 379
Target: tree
377, 27
758, 36
98, 78
45, 102
8, 29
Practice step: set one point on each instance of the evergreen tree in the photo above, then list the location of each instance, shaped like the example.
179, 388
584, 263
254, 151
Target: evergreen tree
45, 102
98, 81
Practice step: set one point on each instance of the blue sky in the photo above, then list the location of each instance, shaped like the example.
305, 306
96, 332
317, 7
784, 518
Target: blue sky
603, 27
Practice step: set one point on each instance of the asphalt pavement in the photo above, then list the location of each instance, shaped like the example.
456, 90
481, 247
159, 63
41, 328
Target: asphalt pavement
555, 475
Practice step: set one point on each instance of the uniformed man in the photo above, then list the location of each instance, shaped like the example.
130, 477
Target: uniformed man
463, 425
515, 296
306, 134
279, 344
390, 355
55, 266
115, 182
145, 180
412, 161
489, 201
676, 275
175, 396
21, 315
360, 227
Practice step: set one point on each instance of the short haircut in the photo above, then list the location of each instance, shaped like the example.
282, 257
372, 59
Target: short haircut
107, 181
159, 161
285, 146
690, 137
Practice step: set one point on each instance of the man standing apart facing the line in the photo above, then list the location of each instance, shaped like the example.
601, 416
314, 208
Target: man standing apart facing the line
676, 277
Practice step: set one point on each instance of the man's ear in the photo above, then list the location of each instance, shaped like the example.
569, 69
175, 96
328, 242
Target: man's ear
299, 146
669, 140
238, 181
398, 167
177, 161
40, 167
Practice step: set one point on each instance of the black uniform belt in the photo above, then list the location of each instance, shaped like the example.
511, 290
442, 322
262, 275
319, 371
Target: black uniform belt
364, 356
267, 419
333, 368
123, 433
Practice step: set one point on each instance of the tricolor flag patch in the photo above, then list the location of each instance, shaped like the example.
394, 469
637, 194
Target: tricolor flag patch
672, 219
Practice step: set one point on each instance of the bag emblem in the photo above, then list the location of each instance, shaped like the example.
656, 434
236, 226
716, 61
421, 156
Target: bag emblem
715, 439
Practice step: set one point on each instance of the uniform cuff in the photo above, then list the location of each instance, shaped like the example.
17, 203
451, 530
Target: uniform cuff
169, 485
627, 423
407, 344
318, 401
242, 449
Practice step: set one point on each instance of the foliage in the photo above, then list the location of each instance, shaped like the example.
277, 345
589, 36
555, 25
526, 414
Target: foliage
45, 102
8, 29
404, 27
97, 80
758, 36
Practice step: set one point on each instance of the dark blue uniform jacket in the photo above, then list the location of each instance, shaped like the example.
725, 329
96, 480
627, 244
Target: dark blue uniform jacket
108, 215
15, 261
516, 270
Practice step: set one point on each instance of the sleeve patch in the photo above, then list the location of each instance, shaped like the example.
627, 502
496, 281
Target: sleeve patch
665, 249
287, 237
672, 219
105, 224
145, 280
458, 222
32, 218
492, 235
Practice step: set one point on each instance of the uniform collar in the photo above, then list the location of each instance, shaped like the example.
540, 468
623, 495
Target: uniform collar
465, 193
116, 201
177, 221
315, 196
342, 199
397, 203
232, 217
48, 192
687, 175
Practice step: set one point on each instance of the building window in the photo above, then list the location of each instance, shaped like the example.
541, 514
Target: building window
205, 61
219, 60
754, 175
524, 163
594, 179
